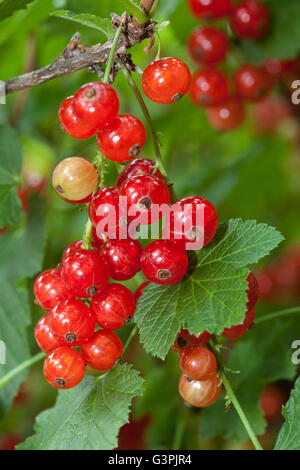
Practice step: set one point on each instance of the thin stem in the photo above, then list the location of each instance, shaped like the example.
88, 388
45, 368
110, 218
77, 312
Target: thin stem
25, 365
130, 338
87, 235
234, 400
280, 313
146, 113
133, 8
112, 54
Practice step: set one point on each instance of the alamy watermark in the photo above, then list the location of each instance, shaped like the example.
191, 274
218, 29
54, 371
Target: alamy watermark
2, 92
296, 354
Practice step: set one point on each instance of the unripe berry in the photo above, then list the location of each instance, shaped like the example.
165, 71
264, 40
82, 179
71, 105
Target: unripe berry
70, 122
49, 289
200, 393
64, 368
75, 179
198, 363
103, 351
137, 167
44, 338
207, 45
209, 87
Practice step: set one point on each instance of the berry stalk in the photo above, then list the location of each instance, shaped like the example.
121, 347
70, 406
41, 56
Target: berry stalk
112, 54
24, 365
278, 314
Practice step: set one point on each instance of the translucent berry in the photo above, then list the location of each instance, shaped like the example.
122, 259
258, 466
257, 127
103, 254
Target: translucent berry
103, 351
85, 273
123, 139
228, 115
200, 393
96, 104
184, 340
75, 179
193, 222
209, 87
166, 80
139, 291
49, 289
252, 291
252, 82
137, 167
210, 9
44, 338
207, 45
70, 122
64, 368
237, 331
114, 307
71, 322
144, 195
198, 363
123, 258
163, 262
72, 248
250, 19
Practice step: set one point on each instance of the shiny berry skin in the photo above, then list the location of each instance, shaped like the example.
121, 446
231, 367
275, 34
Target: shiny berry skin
103, 351
71, 322
210, 9
252, 291
85, 273
106, 213
123, 258
70, 122
137, 167
64, 368
252, 83
96, 104
122, 139
237, 331
198, 363
163, 262
139, 291
228, 115
209, 87
250, 19
200, 393
144, 194
75, 179
49, 289
184, 340
192, 224
207, 45
114, 307
166, 80
44, 338
72, 248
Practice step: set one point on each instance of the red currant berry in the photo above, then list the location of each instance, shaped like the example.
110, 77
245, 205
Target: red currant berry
166, 80
228, 115
75, 179
193, 222
103, 351
250, 19
96, 104
71, 322
252, 83
252, 291
44, 338
209, 87
237, 331
107, 214
122, 139
137, 167
270, 113
72, 248
123, 258
64, 368
85, 273
184, 340
200, 393
144, 194
198, 363
49, 289
163, 262
70, 122
271, 402
114, 307
210, 9
207, 45
139, 292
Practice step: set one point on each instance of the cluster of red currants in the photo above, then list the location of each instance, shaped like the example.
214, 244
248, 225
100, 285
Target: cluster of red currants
208, 47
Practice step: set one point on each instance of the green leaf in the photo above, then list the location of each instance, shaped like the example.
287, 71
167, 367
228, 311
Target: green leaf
87, 19
8, 7
14, 320
10, 168
289, 436
89, 416
212, 294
